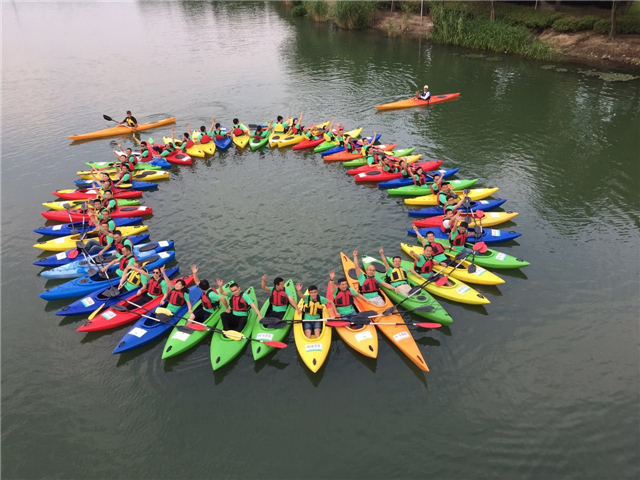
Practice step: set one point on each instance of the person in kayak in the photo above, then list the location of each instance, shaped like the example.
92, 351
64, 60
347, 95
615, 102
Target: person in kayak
314, 308
206, 136
278, 298
445, 193
209, 299
123, 259
260, 133
218, 133
146, 154
436, 248
369, 284
452, 205
237, 309
125, 175
396, 274
176, 295
425, 95
130, 158
424, 264
458, 235
104, 231
108, 203
129, 121
406, 169
388, 165
151, 285
344, 297
294, 127
131, 277
238, 129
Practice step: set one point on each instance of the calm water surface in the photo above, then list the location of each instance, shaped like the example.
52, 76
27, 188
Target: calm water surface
543, 383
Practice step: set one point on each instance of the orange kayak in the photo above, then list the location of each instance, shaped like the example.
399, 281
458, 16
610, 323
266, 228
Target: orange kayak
346, 156
399, 335
121, 129
416, 102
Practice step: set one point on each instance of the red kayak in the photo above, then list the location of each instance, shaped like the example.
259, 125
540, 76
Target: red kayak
78, 216
113, 319
177, 157
380, 175
308, 144
431, 165
345, 156
92, 193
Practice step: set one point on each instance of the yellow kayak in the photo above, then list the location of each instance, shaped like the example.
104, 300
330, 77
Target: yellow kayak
474, 194
61, 244
208, 148
195, 151
288, 140
479, 277
312, 351
143, 175
276, 134
67, 204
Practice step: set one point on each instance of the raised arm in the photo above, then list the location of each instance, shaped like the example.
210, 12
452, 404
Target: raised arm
213, 124
356, 262
194, 272
263, 283
420, 237
384, 258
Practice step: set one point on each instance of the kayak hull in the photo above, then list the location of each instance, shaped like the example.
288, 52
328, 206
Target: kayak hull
489, 220
403, 182
312, 351
416, 191
64, 229
426, 166
260, 350
61, 244
488, 235
77, 216
416, 102
89, 194
361, 161
474, 195
121, 130
434, 211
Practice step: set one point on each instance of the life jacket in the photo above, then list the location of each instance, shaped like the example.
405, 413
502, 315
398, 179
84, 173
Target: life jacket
349, 147
343, 299
370, 285
460, 239
145, 153
218, 134
119, 245
130, 122
134, 278
437, 248
397, 275
125, 260
391, 168
422, 180
132, 162
427, 266
206, 301
105, 204
257, 135
237, 131
312, 307
176, 297
102, 238
279, 298
188, 143
295, 129
238, 304
154, 287
204, 138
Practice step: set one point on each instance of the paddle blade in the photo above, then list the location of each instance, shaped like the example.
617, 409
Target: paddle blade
95, 312
92, 271
232, 335
480, 247
275, 344
441, 282
424, 308
479, 214
414, 290
472, 268
427, 325
119, 308
73, 254
389, 311
197, 326
112, 292
163, 311
466, 191
337, 323
162, 318
366, 313
74, 231
108, 118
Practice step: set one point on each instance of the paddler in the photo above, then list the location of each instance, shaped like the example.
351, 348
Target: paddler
388, 165
425, 95
452, 205
131, 159
396, 274
445, 193
176, 295
295, 128
313, 308
424, 263
129, 120
261, 133
238, 129
436, 248
278, 298
458, 235
146, 155
218, 133
131, 277
206, 136
123, 259
152, 285
104, 228
125, 175
344, 297
184, 143
237, 309
108, 203
209, 299
369, 284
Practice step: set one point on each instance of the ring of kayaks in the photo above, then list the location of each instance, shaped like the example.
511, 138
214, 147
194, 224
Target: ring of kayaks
363, 339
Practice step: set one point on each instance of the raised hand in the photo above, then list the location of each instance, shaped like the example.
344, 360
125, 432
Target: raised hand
219, 282
194, 268
355, 253
298, 286
332, 275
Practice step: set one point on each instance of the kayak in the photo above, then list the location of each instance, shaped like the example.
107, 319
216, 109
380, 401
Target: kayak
223, 350
241, 141
142, 175
193, 151
399, 335
416, 191
134, 185
458, 291
64, 229
109, 166
340, 148
404, 182
308, 144
488, 235
416, 102
261, 332
490, 259
256, 143
67, 204
122, 130
324, 146
61, 244
62, 258
282, 140
438, 314
475, 194
89, 303
479, 277
345, 156
361, 161
276, 134
181, 341
146, 330
490, 219
288, 140
222, 143
85, 285
78, 216
90, 194
209, 148
177, 157
81, 267
426, 166
479, 205
110, 318
363, 340
312, 351
378, 175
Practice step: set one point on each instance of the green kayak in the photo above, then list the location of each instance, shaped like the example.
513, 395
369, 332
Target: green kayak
438, 314
256, 143
359, 162
261, 332
180, 342
223, 350
416, 191
139, 166
490, 259
324, 146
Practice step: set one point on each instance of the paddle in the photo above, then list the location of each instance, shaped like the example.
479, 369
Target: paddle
367, 318
273, 322
436, 278
74, 253
237, 336
109, 119
163, 317
74, 230
368, 322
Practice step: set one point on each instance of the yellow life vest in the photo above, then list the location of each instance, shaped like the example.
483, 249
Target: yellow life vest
134, 278
397, 275
313, 308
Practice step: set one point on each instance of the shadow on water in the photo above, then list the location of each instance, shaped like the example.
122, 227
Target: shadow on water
428, 342
416, 371
220, 374
126, 357
269, 361
314, 378
370, 363
171, 364
72, 319
512, 273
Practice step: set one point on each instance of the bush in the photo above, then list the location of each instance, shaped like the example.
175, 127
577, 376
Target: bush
626, 25
299, 11
319, 10
410, 7
353, 15
526, 16
571, 24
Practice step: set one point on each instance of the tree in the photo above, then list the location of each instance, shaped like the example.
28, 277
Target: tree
614, 8
493, 11
392, 6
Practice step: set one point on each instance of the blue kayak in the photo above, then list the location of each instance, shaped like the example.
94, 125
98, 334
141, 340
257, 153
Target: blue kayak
86, 305
478, 205
146, 330
85, 285
340, 148
81, 267
225, 143
64, 229
489, 235
135, 185
405, 182
62, 258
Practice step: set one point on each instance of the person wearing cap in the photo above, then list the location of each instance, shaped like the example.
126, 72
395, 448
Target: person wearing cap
130, 120
426, 94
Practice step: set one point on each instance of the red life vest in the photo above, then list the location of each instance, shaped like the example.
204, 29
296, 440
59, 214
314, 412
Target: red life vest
206, 301
437, 248
427, 267
105, 204
125, 260
343, 299
145, 153
460, 240
435, 189
220, 137
421, 180
119, 245
154, 287
238, 131
132, 161
238, 304
102, 238
188, 143
204, 138
176, 297
279, 298
370, 285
